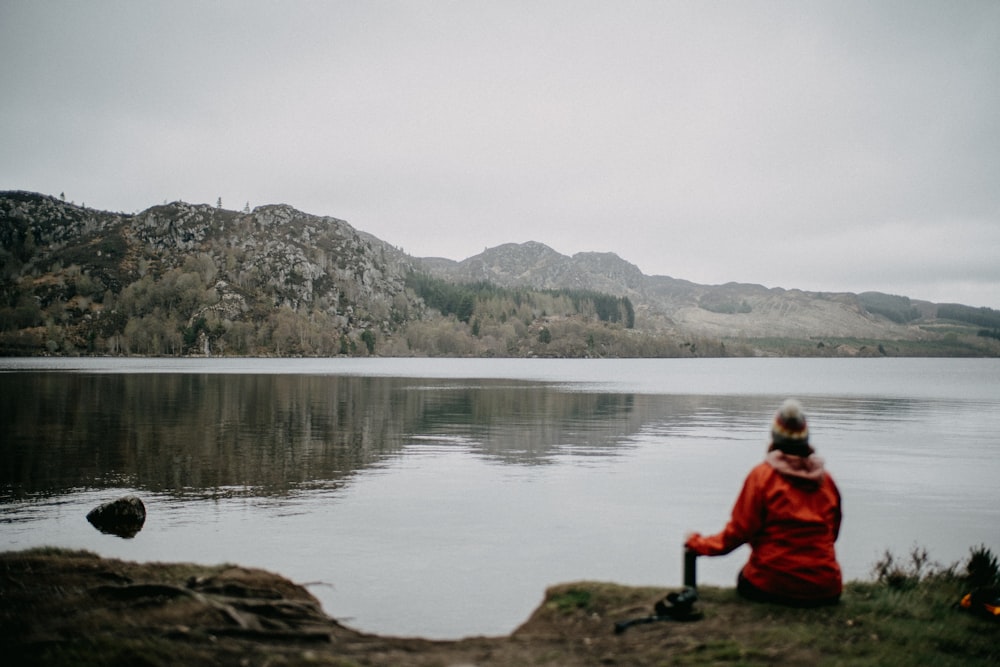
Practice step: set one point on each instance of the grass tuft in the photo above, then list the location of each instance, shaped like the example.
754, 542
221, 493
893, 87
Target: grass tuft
572, 600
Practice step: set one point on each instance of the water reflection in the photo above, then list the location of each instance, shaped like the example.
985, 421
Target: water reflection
212, 434
415, 489
189, 432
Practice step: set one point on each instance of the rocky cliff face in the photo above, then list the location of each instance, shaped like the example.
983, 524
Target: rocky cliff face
245, 265
299, 258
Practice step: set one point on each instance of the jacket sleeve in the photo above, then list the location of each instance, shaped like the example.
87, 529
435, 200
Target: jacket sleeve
839, 512
746, 520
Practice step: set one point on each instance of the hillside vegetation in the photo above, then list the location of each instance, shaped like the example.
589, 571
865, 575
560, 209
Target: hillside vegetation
183, 279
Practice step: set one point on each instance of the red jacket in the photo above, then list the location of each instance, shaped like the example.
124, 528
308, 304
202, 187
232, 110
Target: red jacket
789, 512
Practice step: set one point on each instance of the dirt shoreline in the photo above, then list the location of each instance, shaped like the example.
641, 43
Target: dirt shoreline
61, 607
72, 607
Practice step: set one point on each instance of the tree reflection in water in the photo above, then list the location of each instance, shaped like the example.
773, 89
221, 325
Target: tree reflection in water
266, 434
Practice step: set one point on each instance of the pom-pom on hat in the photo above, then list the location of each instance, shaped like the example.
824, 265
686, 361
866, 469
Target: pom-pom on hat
789, 431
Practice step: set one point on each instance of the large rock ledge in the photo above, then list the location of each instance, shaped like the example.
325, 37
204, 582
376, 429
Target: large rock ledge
74, 607
61, 607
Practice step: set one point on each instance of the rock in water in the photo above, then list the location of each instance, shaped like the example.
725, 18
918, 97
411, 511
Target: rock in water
123, 517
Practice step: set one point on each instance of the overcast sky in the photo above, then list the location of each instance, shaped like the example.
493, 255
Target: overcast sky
835, 146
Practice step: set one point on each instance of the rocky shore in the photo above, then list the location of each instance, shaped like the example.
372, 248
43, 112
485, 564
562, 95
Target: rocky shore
61, 607
73, 607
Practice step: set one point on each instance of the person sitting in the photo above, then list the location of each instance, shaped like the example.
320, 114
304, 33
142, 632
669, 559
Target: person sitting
789, 512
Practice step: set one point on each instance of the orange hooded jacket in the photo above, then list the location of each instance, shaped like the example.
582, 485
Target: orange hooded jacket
789, 513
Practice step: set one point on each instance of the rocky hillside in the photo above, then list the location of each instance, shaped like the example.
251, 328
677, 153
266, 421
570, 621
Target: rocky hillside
734, 311
731, 310
182, 278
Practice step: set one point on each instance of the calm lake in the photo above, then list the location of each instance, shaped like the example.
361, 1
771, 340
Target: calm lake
440, 497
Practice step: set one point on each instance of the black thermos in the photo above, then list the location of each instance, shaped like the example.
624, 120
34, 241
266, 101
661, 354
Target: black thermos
690, 569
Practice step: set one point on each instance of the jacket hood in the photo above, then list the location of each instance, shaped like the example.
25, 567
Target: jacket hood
811, 468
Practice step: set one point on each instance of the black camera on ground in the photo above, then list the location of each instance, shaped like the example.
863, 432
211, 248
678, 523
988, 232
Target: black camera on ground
677, 606
680, 606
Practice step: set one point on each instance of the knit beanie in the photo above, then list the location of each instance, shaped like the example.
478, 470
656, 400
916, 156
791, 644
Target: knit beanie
789, 432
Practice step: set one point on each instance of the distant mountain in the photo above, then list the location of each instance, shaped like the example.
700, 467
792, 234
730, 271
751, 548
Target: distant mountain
536, 265
181, 278
730, 311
